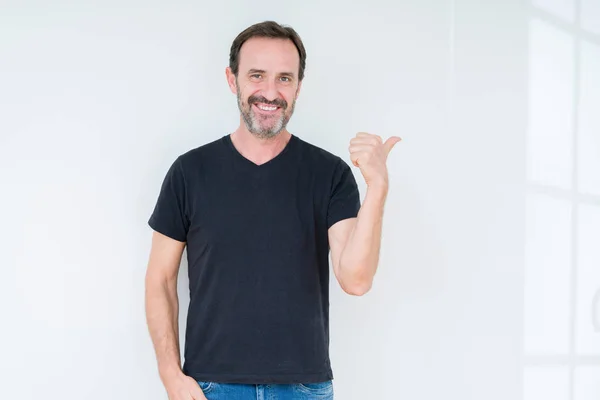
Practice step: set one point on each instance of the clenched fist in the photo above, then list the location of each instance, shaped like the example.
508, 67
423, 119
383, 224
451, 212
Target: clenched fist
369, 153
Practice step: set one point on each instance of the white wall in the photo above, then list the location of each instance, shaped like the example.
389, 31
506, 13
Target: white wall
96, 101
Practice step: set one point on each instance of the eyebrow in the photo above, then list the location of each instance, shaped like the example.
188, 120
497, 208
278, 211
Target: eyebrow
262, 71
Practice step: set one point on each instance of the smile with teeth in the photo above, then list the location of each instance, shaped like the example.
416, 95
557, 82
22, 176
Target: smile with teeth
265, 107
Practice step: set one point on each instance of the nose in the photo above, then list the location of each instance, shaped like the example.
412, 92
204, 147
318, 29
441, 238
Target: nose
270, 90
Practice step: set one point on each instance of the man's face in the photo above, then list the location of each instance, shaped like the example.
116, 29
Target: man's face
267, 84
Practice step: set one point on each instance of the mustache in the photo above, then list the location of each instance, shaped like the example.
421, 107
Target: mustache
260, 99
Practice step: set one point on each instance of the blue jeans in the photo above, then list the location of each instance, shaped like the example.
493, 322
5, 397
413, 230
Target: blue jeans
296, 391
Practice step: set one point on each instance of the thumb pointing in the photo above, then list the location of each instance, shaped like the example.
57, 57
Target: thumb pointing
390, 143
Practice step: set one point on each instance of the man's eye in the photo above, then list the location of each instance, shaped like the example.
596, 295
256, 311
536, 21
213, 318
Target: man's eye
286, 79
257, 76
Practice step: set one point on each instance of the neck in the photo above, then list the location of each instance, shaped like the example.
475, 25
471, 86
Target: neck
258, 150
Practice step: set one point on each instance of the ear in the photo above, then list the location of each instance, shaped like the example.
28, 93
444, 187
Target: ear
231, 80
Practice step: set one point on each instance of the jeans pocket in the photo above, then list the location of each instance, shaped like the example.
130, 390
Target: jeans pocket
206, 386
316, 388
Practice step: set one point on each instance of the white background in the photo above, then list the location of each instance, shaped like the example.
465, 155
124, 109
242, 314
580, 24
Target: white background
490, 256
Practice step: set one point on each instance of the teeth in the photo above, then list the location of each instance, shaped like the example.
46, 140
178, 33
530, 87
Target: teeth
267, 108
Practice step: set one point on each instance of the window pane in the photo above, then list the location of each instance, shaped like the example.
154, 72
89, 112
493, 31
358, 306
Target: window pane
587, 383
589, 120
590, 15
588, 281
551, 106
547, 275
546, 383
564, 9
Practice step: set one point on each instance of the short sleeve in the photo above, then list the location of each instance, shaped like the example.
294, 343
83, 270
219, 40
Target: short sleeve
169, 216
345, 198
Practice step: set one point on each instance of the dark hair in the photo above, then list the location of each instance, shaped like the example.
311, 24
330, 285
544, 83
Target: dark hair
266, 29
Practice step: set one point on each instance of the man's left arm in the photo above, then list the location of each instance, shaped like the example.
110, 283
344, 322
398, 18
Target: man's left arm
355, 242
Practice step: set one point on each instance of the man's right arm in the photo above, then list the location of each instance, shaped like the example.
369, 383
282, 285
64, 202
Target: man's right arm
162, 316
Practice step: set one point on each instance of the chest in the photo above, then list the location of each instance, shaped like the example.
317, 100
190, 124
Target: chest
234, 210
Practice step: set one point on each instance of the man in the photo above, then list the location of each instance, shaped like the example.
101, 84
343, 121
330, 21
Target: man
259, 210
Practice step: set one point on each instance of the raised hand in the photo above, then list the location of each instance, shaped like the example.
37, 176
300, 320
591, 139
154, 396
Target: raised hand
369, 153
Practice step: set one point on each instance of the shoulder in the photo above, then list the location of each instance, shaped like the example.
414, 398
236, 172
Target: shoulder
200, 155
325, 164
320, 157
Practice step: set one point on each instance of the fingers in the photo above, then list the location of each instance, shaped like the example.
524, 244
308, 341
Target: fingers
365, 139
358, 157
196, 391
198, 394
369, 135
372, 140
359, 147
365, 145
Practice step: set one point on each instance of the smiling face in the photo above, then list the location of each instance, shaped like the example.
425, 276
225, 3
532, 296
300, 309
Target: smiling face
267, 84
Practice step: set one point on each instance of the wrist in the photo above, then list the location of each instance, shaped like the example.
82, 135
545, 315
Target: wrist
170, 372
378, 188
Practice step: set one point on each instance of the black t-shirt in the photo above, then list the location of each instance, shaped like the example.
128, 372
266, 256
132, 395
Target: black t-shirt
258, 258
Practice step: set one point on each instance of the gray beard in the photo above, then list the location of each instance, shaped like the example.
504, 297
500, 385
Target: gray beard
252, 121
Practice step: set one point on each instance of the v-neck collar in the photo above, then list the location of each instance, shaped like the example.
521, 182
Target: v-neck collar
251, 163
